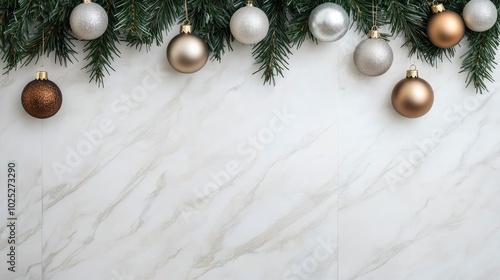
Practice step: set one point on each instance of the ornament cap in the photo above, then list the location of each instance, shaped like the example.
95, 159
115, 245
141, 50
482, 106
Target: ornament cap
42, 75
438, 8
412, 73
87, 1
186, 28
250, 3
373, 34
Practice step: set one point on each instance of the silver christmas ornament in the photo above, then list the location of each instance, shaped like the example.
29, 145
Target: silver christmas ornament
88, 21
328, 22
249, 25
480, 15
373, 56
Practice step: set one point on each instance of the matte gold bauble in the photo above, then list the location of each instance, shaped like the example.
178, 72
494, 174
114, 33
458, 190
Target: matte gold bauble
41, 98
187, 53
445, 28
412, 97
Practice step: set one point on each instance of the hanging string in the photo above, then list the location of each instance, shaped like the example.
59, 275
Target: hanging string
186, 10
412, 60
43, 48
374, 14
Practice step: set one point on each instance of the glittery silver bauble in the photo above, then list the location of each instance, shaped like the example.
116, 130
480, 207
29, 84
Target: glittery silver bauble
249, 25
373, 56
88, 21
480, 15
328, 22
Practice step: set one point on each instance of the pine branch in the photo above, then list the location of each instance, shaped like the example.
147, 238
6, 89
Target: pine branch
163, 14
5, 11
143, 22
210, 20
132, 21
17, 19
101, 51
56, 31
272, 52
479, 61
298, 30
362, 14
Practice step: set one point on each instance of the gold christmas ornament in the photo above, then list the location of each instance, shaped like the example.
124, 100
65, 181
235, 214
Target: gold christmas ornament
445, 28
187, 53
412, 97
41, 98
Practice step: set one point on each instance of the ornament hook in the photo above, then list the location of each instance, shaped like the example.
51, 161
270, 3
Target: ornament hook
42, 67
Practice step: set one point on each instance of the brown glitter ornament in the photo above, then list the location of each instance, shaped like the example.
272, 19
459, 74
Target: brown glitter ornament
41, 98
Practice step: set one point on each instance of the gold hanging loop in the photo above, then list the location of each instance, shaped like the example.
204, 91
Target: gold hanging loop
187, 13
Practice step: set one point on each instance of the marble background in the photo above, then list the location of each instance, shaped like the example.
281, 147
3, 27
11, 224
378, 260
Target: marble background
214, 176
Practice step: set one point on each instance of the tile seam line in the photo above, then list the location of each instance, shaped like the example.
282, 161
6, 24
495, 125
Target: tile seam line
41, 201
338, 165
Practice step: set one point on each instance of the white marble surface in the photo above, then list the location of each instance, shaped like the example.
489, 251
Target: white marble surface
417, 198
213, 176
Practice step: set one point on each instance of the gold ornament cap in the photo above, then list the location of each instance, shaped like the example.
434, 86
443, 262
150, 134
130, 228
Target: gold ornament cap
87, 1
42, 75
186, 28
249, 3
412, 73
373, 34
438, 8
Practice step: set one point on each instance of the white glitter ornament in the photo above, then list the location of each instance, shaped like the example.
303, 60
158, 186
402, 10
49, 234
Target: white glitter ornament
249, 25
328, 22
88, 21
373, 56
480, 15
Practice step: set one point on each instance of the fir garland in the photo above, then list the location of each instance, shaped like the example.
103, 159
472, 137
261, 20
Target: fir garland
142, 23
